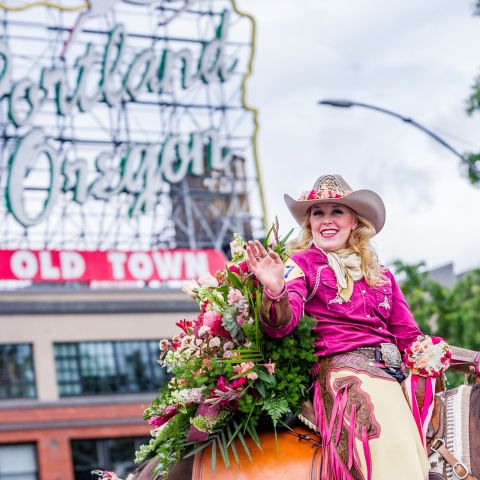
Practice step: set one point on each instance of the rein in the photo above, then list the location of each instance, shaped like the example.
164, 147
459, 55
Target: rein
302, 437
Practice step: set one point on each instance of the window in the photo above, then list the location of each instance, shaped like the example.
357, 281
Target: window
18, 462
91, 368
113, 454
16, 371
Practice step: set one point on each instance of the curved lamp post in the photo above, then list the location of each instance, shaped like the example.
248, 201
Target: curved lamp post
473, 171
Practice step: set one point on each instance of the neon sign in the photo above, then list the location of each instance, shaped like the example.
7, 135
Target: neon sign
136, 136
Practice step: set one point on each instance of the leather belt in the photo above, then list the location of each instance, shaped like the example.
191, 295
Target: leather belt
387, 353
460, 470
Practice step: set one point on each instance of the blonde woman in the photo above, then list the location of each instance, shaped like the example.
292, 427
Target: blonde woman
363, 325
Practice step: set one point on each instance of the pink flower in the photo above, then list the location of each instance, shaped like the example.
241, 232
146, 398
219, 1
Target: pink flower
243, 266
185, 325
270, 367
159, 420
421, 363
214, 342
227, 354
234, 269
213, 320
241, 318
312, 195
252, 376
234, 296
105, 475
415, 347
243, 367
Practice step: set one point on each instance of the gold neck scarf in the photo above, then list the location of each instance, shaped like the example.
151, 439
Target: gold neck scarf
347, 266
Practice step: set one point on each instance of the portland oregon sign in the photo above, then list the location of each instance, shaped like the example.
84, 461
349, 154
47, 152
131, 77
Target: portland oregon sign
126, 138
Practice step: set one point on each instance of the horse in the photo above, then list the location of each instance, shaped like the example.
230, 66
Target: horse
453, 443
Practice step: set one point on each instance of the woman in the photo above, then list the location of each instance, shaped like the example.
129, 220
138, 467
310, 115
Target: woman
363, 323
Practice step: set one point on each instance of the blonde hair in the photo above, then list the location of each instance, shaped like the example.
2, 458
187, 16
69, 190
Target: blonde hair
358, 241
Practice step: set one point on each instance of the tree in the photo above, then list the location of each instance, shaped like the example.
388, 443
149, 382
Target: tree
453, 314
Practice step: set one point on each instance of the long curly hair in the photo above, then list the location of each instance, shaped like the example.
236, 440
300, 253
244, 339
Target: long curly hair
358, 241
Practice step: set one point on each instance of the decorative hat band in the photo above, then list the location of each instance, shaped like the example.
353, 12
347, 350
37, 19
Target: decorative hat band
334, 189
325, 188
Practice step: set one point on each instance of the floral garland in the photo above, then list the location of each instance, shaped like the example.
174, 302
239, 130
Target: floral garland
227, 377
319, 195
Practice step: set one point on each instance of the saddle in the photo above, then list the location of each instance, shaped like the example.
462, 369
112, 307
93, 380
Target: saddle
290, 454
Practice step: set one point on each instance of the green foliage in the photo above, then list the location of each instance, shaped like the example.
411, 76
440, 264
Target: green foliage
168, 445
276, 409
453, 314
293, 356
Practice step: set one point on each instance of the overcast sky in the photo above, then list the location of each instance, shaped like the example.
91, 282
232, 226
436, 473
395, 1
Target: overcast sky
416, 58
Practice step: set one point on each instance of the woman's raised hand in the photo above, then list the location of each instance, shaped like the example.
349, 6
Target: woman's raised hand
266, 266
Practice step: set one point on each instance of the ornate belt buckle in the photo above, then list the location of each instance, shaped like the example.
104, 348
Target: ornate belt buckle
391, 355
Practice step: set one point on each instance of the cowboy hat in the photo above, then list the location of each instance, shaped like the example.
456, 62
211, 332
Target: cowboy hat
334, 189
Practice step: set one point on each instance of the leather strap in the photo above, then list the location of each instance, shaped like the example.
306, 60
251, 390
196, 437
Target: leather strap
460, 470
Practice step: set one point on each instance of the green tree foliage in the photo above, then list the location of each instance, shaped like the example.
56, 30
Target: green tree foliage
472, 106
453, 314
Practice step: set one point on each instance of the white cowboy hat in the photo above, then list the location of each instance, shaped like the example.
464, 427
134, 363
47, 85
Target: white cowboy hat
334, 189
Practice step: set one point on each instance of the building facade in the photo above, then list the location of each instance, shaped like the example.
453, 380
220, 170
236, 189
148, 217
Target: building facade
77, 371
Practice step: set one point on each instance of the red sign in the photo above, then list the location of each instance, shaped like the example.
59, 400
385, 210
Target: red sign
88, 266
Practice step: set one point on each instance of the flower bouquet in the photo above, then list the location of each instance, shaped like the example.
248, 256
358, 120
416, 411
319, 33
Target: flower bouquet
428, 356
227, 376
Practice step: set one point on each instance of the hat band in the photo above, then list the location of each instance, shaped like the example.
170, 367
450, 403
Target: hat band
323, 194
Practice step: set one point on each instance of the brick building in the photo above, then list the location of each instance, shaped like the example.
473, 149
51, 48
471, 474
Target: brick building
77, 369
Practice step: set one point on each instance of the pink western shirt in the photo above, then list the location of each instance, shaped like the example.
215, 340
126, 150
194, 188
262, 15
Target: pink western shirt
371, 316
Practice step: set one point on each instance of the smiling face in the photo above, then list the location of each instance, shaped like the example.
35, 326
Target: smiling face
331, 225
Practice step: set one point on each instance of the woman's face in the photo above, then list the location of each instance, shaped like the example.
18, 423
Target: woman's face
331, 225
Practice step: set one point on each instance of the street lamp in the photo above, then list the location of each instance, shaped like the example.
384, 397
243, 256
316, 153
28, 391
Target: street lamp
473, 171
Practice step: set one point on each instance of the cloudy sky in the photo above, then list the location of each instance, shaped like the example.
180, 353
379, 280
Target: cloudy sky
416, 58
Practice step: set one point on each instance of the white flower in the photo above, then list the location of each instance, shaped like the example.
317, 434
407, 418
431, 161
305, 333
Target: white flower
203, 330
228, 346
188, 395
236, 246
208, 280
191, 289
214, 342
164, 345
